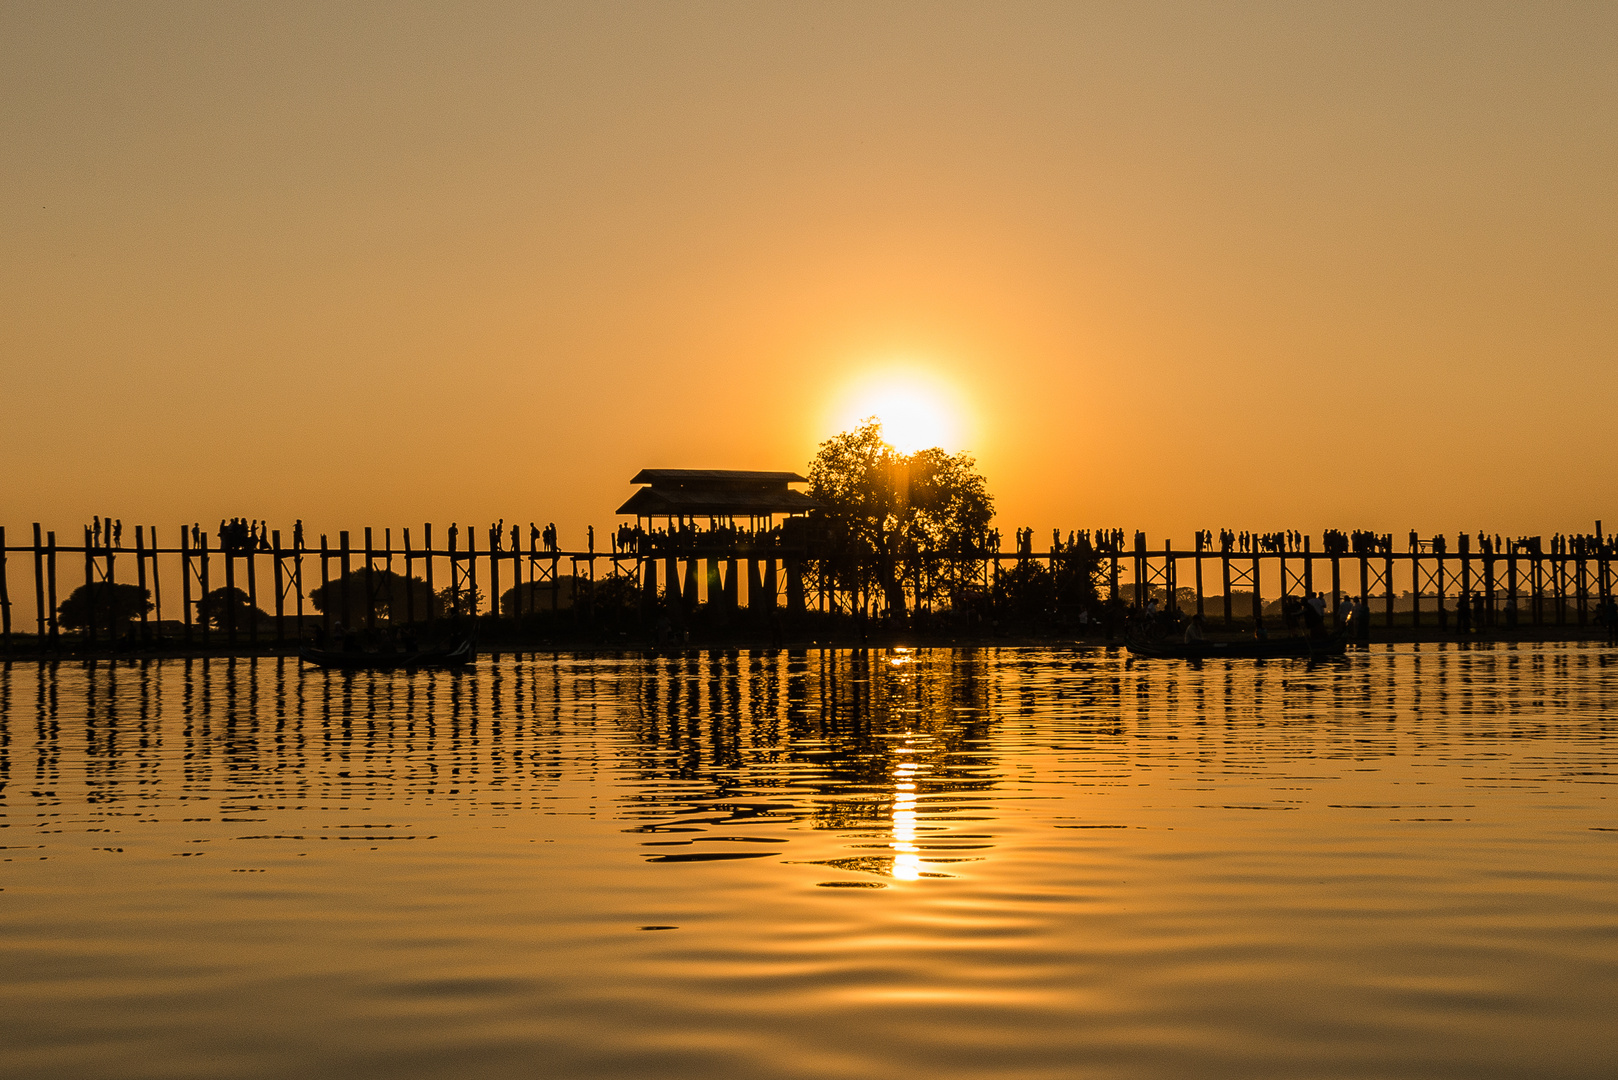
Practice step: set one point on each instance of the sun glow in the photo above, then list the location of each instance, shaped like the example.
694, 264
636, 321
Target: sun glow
917, 412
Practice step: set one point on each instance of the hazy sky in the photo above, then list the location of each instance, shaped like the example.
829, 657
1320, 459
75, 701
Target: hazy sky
1171, 267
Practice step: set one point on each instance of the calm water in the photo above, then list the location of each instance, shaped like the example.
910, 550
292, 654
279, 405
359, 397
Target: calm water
939, 864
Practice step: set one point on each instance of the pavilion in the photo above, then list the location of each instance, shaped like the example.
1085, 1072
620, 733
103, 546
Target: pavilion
727, 498
728, 494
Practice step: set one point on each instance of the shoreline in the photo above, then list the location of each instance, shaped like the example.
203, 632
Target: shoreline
889, 640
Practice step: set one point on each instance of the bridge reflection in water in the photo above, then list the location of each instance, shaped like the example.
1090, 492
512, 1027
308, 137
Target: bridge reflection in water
913, 864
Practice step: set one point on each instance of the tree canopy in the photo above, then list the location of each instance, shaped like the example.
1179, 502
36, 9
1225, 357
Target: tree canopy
103, 604
392, 596
229, 606
896, 517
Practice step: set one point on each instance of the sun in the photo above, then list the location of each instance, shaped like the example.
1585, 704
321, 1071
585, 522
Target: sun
917, 412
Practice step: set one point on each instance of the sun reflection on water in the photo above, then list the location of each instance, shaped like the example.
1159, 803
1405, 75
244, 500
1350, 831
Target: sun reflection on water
906, 856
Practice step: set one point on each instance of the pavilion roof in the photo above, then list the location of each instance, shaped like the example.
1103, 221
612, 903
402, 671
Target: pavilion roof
716, 493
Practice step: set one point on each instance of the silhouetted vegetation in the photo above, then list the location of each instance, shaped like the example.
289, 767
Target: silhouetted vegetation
390, 596
458, 603
102, 605
533, 597
898, 520
226, 607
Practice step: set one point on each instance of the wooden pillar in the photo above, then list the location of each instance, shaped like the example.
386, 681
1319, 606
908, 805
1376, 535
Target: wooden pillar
732, 586
769, 582
1171, 599
1489, 602
1365, 584
472, 605
1308, 570
1387, 579
325, 585
89, 590
39, 586
454, 571
157, 584
1140, 571
1603, 566
1200, 612
1513, 607
1336, 590
297, 579
1536, 581
230, 592
185, 580
1286, 587
1224, 569
794, 567
1463, 544
280, 589
252, 594
427, 554
516, 578
409, 581
1112, 573
1415, 586
494, 577
52, 620
691, 583
1581, 583
1439, 559
344, 584
140, 581
368, 588
1258, 601
112, 592
5, 596
1559, 583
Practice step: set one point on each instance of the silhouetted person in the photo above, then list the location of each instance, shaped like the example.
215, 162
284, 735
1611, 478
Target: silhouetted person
297, 535
1314, 619
590, 537
118, 533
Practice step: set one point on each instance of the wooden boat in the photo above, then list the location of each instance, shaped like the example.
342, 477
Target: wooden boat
457, 652
1271, 649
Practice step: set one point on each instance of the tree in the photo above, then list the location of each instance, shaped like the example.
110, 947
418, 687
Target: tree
102, 604
391, 596
453, 603
536, 596
894, 516
225, 607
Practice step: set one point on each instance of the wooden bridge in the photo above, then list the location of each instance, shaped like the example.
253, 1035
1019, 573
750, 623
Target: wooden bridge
1522, 581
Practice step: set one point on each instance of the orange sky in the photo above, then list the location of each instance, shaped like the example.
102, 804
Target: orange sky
1179, 266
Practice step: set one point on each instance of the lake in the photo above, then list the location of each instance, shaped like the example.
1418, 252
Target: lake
1010, 863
